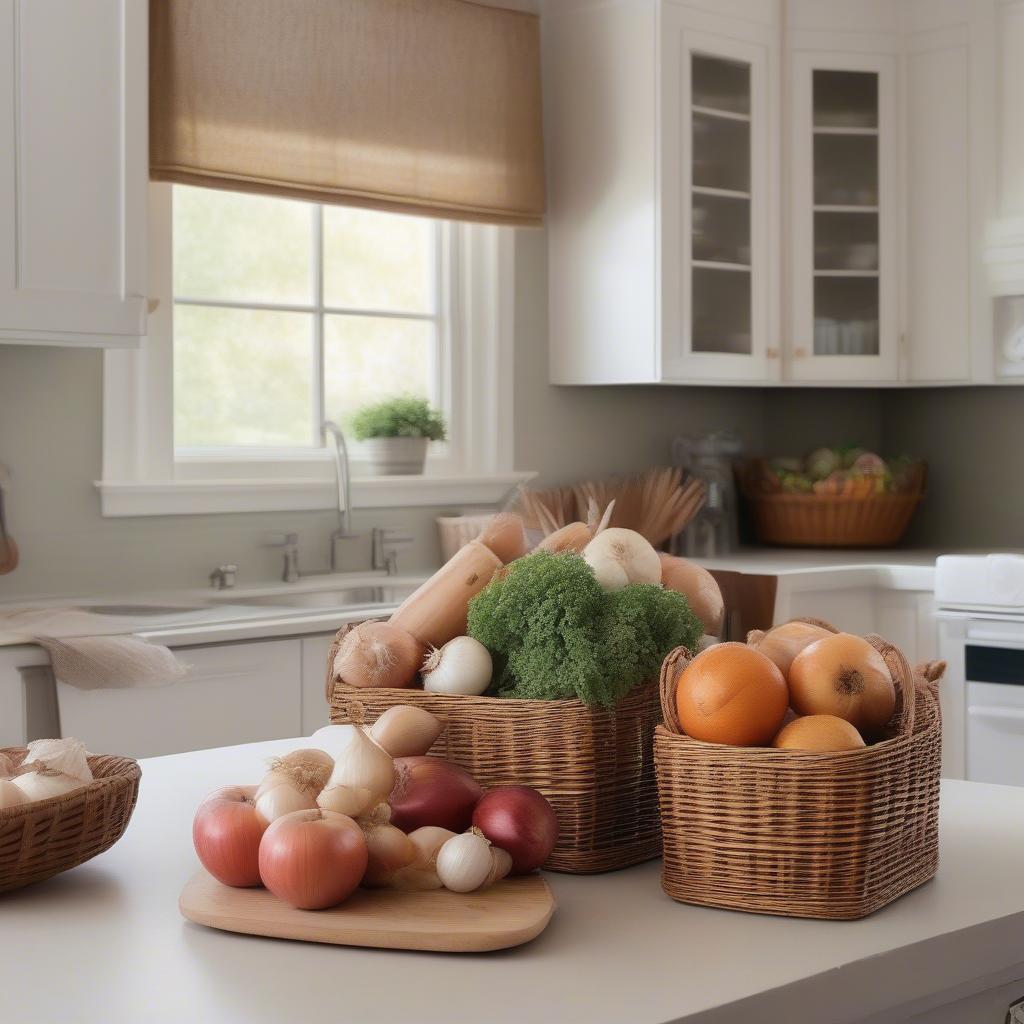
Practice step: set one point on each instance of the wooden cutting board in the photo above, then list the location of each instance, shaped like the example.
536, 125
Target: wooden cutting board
510, 913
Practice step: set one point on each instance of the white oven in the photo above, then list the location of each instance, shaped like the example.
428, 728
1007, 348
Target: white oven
980, 608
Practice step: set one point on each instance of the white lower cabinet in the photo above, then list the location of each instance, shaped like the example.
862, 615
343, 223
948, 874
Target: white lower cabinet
233, 693
314, 682
905, 618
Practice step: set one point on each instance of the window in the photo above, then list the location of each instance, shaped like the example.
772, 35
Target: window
269, 315
288, 312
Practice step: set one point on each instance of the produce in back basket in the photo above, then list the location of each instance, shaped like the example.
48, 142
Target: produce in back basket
740, 694
411, 825
544, 626
555, 634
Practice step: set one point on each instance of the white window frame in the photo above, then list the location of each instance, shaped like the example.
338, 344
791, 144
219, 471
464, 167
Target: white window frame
143, 475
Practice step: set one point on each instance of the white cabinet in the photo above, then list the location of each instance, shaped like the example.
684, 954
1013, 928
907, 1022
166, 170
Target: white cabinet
844, 250
719, 157
767, 191
73, 171
314, 682
233, 693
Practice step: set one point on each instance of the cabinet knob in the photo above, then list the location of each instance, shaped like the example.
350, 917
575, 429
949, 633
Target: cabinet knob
800, 352
772, 353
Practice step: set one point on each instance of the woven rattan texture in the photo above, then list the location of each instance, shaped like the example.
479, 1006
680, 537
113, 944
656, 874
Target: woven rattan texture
595, 767
824, 835
41, 839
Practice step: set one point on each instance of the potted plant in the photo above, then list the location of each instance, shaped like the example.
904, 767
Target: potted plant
395, 434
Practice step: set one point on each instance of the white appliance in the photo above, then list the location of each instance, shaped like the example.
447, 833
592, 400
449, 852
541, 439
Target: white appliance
980, 611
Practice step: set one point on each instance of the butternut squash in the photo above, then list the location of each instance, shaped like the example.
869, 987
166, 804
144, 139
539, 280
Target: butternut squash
436, 612
698, 586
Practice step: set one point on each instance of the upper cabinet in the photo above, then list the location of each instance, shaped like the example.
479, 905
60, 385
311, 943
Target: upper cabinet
73, 171
765, 192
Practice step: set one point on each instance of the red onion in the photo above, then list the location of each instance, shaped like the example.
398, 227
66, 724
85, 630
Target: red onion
520, 821
432, 791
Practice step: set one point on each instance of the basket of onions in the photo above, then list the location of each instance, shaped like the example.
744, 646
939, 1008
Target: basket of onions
59, 807
543, 667
798, 773
381, 815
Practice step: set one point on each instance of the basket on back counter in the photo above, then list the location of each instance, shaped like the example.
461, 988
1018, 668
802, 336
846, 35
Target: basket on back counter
802, 830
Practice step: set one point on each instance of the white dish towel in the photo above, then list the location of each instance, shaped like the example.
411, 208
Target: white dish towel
111, 662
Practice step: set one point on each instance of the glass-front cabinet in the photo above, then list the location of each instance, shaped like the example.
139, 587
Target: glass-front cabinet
843, 318
717, 270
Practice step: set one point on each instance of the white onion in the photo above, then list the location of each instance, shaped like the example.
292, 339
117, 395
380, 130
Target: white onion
463, 666
464, 863
634, 554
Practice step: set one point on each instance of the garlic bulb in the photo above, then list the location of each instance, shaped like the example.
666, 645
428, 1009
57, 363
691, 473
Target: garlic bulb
67, 756
501, 865
617, 554
421, 874
464, 863
406, 731
463, 666
365, 772
292, 784
388, 848
10, 794
44, 783
53, 768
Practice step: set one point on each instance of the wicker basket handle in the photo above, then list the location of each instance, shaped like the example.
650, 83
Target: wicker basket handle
903, 677
671, 668
928, 675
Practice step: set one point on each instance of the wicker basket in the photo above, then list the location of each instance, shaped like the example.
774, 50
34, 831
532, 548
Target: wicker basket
595, 767
836, 521
44, 838
824, 835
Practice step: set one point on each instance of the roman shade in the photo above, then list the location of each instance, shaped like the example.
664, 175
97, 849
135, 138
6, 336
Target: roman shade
430, 107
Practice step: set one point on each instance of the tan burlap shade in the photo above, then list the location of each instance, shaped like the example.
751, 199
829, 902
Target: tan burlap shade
417, 106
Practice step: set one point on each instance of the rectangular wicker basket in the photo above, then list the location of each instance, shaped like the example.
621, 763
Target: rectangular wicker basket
595, 767
802, 834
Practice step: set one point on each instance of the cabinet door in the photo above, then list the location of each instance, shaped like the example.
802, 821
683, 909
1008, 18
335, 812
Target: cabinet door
73, 170
719, 310
314, 673
844, 258
233, 693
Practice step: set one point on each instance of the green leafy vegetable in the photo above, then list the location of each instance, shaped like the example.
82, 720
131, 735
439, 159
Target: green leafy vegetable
556, 635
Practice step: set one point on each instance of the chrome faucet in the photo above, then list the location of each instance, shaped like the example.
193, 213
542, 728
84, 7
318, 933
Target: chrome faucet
343, 478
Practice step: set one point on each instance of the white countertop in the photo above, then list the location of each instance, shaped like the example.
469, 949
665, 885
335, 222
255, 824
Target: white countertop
105, 943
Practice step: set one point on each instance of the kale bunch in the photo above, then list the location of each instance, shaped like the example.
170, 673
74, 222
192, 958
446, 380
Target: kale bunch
555, 634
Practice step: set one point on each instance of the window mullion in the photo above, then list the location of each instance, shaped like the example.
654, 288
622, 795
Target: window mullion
319, 414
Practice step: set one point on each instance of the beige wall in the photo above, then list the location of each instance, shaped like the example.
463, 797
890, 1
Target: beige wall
50, 436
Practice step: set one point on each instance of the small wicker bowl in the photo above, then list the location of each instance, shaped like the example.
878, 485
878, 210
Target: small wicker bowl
595, 767
797, 833
830, 520
44, 838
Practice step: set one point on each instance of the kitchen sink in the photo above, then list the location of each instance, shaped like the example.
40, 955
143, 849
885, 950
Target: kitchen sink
139, 610
344, 597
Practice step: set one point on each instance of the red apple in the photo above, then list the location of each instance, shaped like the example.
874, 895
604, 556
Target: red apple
519, 821
226, 832
313, 859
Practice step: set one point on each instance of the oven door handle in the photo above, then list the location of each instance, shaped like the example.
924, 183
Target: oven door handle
980, 711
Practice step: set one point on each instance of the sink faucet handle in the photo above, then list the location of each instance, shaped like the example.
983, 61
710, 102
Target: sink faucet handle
385, 541
223, 577
290, 543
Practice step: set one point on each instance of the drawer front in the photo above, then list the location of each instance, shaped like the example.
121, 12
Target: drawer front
995, 734
233, 693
